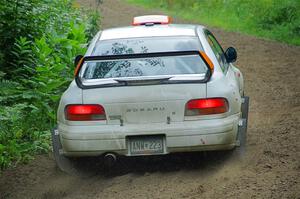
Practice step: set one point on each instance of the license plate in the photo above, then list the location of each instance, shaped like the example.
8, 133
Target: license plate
146, 145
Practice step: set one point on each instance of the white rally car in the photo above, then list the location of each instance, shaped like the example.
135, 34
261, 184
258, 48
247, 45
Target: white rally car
152, 88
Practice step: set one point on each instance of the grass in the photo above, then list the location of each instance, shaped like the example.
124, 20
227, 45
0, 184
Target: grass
271, 19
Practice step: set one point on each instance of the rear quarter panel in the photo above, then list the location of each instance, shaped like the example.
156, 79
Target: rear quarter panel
222, 84
73, 95
226, 86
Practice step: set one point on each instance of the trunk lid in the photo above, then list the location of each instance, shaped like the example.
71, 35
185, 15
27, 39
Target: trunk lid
160, 103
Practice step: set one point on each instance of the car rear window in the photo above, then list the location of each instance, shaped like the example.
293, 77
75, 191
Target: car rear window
146, 45
154, 66
136, 67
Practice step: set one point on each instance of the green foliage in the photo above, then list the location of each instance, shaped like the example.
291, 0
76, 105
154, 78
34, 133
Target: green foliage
23, 57
37, 49
18, 140
274, 19
93, 23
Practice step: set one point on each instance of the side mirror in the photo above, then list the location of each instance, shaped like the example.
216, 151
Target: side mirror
231, 55
77, 60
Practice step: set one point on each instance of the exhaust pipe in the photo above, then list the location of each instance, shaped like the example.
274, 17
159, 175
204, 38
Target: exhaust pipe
110, 159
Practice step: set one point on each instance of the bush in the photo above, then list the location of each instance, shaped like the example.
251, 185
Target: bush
37, 48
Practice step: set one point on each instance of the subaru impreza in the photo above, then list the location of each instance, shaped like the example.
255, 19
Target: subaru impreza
152, 88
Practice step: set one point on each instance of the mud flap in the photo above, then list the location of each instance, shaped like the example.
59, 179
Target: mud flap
62, 162
242, 128
72, 166
65, 164
245, 107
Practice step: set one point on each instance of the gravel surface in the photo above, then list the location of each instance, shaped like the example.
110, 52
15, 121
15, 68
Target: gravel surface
270, 169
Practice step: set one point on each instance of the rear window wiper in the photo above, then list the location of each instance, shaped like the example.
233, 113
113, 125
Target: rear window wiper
142, 80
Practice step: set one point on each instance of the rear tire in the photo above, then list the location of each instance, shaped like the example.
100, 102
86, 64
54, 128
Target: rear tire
72, 166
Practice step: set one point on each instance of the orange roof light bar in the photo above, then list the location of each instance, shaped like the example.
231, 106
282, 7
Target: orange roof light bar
151, 19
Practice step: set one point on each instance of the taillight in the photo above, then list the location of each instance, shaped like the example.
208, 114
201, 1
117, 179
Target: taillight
84, 112
206, 106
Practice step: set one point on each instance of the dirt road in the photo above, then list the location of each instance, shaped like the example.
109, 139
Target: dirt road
271, 168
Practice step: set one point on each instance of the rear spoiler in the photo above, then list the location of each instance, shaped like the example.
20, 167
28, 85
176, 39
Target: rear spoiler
203, 56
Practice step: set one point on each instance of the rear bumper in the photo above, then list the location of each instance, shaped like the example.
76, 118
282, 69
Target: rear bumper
212, 134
